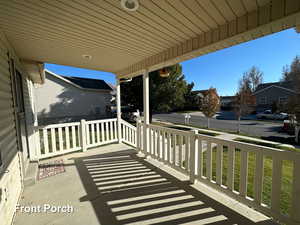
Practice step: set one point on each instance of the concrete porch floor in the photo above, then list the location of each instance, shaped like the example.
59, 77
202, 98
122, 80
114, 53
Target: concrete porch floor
113, 185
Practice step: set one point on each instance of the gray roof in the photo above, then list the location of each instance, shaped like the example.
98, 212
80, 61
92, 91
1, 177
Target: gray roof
287, 85
86, 83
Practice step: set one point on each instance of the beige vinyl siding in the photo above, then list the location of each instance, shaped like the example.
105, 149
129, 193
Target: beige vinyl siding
10, 182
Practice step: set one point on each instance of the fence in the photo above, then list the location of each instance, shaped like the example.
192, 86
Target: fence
58, 139
235, 168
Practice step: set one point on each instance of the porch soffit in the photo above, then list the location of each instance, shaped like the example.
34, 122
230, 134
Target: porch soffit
159, 33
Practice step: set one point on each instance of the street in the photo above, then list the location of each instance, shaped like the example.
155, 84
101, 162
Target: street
267, 130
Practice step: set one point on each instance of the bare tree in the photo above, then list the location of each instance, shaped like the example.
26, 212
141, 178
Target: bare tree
244, 104
210, 104
245, 100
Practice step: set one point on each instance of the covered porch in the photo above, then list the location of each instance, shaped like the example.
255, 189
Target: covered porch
167, 176
113, 184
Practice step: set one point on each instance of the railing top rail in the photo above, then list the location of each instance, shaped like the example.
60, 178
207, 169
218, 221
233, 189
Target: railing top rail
172, 130
100, 121
58, 125
284, 154
128, 124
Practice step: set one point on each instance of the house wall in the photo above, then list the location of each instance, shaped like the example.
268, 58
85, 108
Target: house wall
58, 101
272, 95
13, 164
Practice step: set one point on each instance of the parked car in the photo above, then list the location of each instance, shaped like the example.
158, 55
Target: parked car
267, 114
130, 113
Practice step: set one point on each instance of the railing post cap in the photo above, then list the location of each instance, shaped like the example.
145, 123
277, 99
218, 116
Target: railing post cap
195, 131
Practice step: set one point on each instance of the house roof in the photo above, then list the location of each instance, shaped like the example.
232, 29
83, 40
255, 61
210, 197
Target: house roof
288, 85
84, 83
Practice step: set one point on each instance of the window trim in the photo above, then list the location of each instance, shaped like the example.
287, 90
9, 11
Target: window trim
262, 102
282, 102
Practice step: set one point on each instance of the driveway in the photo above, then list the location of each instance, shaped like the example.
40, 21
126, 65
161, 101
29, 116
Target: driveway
267, 130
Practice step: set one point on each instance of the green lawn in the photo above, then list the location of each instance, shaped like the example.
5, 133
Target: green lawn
286, 184
266, 144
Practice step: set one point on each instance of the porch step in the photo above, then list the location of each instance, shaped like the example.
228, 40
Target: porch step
31, 174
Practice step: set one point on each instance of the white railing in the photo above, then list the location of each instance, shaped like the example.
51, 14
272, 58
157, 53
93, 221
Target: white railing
227, 165
128, 133
57, 139
100, 132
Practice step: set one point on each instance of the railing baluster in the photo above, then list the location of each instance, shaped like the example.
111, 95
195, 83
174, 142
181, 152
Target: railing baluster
88, 137
46, 144
168, 147
258, 181
73, 137
111, 130
163, 147
230, 171
67, 134
174, 149
219, 164
276, 184
98, 133
93, 133
193, 159
159, 144
187, 154
53, 140
200, 158
107, 131
244, 173
102, 132
180, 150
60, 139
155, 143
209, 161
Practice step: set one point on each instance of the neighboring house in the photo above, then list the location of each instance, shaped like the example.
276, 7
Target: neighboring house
64, 99
227, 102
269, 93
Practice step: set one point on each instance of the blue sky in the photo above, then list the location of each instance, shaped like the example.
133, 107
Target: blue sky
223, 69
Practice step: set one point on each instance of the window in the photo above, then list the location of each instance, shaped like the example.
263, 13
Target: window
262, 100
283, 100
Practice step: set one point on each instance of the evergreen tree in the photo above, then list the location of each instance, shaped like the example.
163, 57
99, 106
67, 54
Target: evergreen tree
166, 93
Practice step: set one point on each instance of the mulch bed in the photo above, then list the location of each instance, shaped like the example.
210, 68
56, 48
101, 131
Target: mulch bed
51, 168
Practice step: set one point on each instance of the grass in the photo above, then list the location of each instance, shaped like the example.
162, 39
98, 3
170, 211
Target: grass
208, 133
266, 144
286, 182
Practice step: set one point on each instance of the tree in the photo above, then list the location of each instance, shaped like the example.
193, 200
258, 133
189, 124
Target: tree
166, 93
191, 98
251, 79
292, 72
210, 104
245, 100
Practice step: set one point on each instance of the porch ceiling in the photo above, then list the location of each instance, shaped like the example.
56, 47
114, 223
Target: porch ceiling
159, 33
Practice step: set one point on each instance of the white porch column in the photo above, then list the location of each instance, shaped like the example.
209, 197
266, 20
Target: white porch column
146, 109
119, 110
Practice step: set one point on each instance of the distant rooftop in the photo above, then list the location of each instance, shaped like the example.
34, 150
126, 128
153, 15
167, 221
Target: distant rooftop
86, 83
284, 84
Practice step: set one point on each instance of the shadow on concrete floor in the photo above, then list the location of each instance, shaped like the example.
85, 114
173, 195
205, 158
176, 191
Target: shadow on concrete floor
126, 189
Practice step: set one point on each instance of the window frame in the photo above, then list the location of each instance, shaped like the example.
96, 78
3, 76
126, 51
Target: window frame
262, 102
